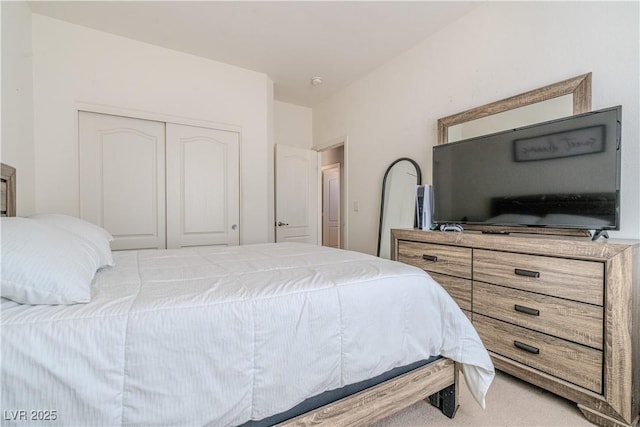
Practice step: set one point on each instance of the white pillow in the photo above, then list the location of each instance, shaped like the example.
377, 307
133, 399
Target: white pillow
43, 264
95, 234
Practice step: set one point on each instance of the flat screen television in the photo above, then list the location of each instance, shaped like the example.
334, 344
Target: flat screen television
562, 173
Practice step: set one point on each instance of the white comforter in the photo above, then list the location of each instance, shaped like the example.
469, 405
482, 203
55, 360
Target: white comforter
220, 336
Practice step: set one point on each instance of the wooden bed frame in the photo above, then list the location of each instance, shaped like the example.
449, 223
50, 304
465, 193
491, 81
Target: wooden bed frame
436, 381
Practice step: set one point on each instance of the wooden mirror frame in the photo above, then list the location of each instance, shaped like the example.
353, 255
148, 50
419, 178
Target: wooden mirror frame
579, 86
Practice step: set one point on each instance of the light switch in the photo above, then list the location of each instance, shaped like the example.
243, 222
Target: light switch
356, 206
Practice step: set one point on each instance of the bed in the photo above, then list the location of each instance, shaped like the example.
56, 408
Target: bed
228, 336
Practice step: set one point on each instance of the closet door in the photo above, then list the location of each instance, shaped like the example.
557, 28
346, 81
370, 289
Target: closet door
203, 191
122, 178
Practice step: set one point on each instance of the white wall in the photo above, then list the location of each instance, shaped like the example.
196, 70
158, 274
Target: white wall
497, 50
74, 64
293, 125
17, 147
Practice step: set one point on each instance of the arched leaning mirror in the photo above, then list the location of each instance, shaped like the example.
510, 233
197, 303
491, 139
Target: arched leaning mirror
398, 205
565, 98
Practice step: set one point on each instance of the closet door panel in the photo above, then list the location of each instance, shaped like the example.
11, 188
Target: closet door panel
134, 172
203, 189
122, 176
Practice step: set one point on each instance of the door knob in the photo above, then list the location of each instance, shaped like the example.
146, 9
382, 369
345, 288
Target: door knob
234, 226
280, 224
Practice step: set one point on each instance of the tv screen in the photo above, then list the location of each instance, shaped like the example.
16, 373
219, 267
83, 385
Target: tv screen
563, 173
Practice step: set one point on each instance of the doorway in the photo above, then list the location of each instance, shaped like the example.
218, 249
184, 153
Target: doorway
305, 201
332, 163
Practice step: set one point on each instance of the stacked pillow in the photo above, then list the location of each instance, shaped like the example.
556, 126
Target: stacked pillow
51, 259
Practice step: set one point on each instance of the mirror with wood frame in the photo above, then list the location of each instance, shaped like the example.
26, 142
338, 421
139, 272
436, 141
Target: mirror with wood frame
8, 187
548, 101
562, 99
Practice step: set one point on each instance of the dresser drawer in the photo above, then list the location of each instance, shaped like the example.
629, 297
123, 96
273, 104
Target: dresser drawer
571, 362
571, 320
451, 260
564, 278
458, 288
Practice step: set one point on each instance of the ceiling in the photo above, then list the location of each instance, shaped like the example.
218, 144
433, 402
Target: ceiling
291, 41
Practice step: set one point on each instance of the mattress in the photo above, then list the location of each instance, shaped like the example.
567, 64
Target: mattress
222, 336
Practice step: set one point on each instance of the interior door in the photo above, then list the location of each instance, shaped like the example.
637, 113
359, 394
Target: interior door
331, 206
296, 190
203, 188
122, 178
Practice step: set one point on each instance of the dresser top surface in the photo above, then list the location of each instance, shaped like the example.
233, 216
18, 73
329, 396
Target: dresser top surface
550, 245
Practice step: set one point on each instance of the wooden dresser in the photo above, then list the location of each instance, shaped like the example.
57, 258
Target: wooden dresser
559, 312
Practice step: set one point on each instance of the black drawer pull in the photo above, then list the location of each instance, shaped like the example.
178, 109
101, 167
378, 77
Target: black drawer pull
430, 258
526, 347
527, 273
526, 310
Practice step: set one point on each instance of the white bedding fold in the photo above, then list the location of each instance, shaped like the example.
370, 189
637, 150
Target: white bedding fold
219, 336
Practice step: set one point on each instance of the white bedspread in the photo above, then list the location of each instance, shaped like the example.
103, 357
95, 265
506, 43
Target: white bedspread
219, 336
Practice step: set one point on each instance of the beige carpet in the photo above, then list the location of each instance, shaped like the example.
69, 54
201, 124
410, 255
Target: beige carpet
510, 402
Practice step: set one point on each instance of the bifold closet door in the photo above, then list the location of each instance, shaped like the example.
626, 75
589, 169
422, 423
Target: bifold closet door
122, 178
203, 200
159, 185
